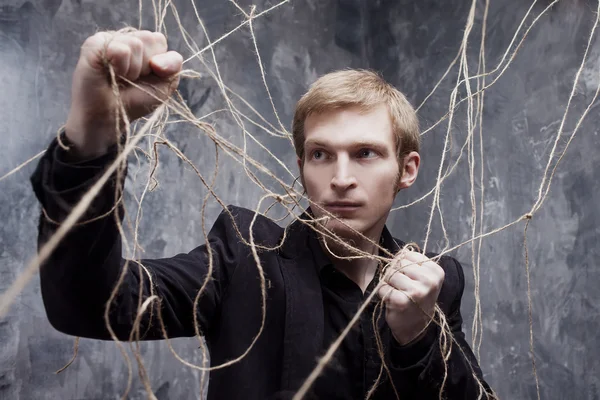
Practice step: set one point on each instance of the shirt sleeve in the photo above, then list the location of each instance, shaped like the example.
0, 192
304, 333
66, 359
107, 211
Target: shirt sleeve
418, 369
79, 276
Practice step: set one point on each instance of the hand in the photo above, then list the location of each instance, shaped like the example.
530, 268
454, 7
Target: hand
410, 274
141, 57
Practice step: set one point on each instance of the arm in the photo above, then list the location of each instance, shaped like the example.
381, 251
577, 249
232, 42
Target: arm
79, 276
418, 368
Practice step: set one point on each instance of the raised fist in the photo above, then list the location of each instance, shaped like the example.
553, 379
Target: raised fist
138, 56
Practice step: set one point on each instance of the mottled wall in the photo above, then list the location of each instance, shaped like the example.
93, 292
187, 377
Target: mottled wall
411, 43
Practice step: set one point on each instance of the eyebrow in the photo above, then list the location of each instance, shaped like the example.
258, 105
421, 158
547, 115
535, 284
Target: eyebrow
359, 144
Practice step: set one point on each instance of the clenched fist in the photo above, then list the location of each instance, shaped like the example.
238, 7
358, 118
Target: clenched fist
410, 275
139, 56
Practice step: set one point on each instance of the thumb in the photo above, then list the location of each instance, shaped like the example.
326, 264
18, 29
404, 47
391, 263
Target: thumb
166, 64
155, 88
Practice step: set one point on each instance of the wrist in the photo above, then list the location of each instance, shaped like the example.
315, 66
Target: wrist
415, 352
406, 338
90, 139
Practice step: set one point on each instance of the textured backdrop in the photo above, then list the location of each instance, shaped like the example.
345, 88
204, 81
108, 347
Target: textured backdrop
411, 43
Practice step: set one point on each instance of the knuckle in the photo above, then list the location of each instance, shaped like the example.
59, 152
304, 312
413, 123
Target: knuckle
97, 40
389, 297
428, 291
436, 284
386, 278
159, 39
90, 41
103, 35
429, 281
118, 50
397, 264
145, 36
420, 292
389, 275
136, 45
401, 303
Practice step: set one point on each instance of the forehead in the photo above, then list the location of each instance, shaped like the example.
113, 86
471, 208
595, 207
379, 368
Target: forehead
347, 125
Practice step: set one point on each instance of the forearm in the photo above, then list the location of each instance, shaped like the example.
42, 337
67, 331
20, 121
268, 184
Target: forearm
420, 371
79, 277
80, 274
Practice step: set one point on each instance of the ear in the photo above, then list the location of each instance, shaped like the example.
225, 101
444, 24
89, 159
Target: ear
300, 168
410, 170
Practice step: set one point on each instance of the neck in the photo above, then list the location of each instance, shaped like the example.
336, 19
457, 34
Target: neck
360, 270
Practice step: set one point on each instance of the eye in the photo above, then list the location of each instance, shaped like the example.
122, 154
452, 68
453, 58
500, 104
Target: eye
367, 153
318, 155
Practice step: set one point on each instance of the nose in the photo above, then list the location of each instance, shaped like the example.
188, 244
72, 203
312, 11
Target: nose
343, 178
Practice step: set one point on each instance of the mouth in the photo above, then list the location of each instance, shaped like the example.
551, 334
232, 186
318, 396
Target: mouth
341, 207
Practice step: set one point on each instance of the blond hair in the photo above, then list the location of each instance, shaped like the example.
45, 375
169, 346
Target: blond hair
366, 90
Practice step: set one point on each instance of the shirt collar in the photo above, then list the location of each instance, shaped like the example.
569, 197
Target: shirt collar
387, 241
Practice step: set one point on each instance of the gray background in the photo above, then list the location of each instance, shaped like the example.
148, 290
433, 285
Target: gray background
411, 43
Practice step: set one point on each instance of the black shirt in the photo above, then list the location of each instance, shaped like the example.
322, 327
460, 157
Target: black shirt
356, 364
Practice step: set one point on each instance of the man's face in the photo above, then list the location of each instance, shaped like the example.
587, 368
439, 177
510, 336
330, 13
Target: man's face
350, 168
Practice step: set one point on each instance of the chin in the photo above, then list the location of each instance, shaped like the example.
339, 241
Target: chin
345, 228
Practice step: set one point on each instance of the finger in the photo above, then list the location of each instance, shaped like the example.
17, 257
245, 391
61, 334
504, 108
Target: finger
415, 257
154, 43
119, 56
136, 55
402, 264
414, 289
405, 258
424, 276
391, 296
384, 291
418, 265
167, 64
398, 280
153, 90
93, 49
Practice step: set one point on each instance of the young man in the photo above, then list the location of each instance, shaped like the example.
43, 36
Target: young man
357, 142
